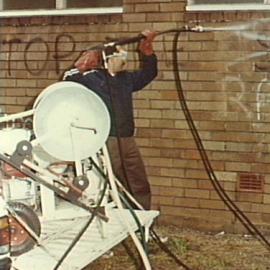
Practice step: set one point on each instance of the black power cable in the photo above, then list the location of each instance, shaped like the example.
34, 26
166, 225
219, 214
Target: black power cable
252, 229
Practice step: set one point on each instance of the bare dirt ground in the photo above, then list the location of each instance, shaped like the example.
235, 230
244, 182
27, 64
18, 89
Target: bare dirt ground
197, 250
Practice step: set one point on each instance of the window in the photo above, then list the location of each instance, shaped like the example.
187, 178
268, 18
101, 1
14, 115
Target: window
221, 5
19, 8
91, 3
28, 4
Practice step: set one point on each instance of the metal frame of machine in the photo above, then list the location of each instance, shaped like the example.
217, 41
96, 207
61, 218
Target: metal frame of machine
65, 200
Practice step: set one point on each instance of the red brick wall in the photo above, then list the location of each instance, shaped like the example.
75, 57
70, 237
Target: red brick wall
225, 79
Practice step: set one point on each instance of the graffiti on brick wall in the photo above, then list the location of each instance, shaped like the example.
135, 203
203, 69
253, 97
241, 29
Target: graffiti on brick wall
56, 54
260, 65
53, 52
261, 85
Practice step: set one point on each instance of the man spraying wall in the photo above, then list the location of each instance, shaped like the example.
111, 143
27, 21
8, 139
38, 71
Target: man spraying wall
115, 85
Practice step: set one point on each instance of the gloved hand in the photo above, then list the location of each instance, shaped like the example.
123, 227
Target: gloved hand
89, 60
146, 46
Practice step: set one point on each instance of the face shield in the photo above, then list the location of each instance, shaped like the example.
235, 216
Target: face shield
117, 61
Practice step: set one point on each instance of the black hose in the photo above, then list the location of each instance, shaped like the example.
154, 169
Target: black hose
166, 249
126, 180
252, 229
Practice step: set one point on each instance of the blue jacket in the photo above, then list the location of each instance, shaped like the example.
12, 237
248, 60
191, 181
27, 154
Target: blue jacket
116, 91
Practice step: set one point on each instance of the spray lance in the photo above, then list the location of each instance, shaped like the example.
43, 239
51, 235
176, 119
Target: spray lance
185, 28
110, 47
96, 57
138, 38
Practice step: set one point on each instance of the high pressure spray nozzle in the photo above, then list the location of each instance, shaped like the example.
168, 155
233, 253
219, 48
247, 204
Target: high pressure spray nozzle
196, 28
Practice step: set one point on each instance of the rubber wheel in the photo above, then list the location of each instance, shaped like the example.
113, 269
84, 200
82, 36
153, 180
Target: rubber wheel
20, 240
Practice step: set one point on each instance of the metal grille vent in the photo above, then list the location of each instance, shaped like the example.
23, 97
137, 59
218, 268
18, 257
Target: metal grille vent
251, 182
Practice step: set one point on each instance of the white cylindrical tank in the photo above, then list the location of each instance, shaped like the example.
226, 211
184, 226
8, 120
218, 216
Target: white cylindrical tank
70, 121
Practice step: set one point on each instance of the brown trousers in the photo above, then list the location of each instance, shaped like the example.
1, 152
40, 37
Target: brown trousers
128, 167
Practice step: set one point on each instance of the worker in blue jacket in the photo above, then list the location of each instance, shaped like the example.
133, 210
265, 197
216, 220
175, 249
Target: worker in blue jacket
115, 85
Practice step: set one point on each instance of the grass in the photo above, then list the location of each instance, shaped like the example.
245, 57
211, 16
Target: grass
197, 250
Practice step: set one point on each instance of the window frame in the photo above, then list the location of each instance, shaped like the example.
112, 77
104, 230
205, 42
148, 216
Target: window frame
227, 7
60, 9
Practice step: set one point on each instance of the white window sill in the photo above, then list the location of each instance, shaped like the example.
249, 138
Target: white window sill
60, 12
222, 7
